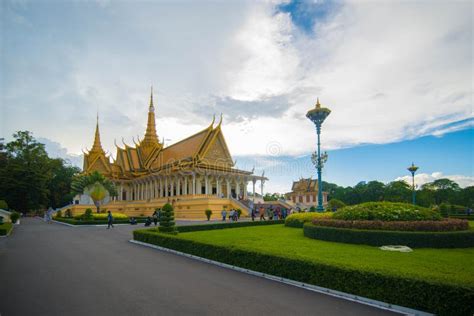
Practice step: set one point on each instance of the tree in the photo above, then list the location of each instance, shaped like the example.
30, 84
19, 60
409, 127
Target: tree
60, 183
271, 197
25, 171
167, 224
95, 185
398, 191
335, 204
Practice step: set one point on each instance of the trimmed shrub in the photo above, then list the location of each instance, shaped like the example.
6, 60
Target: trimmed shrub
5, 228
68, 213
442, 299
88, 214
335, 204
468, 217
194, 228
444, 209
429, 226
14, 216
297, 220
456, 239
386, 211
208, 214
58, 214
239, 212
312, 209
167, 224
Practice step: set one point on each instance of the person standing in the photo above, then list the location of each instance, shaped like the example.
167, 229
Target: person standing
224, 214
110, 220
253, 214
262, 213
155, 218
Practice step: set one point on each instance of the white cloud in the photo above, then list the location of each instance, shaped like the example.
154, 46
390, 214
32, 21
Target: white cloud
388, 70
422, 178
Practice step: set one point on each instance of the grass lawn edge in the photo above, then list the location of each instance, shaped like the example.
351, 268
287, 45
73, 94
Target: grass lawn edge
427, 295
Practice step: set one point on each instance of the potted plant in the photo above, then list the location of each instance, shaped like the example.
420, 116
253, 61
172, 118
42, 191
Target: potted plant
208, 214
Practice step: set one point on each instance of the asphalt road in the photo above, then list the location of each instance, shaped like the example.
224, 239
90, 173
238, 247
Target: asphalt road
52, 269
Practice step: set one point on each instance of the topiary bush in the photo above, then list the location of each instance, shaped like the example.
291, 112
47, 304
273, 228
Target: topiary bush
59, 214
297, 220
239, 212
68, 213
386, 211
167, 224
444, 209
14, 216
208, 214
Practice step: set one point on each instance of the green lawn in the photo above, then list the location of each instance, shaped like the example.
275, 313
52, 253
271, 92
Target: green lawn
451, 266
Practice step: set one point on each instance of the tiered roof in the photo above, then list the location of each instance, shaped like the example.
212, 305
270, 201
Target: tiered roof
206, 149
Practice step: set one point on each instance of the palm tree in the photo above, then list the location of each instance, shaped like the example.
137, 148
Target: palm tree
95, 185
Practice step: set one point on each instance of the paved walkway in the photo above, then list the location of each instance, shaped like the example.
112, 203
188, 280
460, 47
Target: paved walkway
52, 269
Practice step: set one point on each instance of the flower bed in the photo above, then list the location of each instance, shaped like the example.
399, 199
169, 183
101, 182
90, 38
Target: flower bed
386, 211
297, 220
433, 226
413, 239
103, 216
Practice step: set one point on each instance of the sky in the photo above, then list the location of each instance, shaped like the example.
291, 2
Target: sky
397, 75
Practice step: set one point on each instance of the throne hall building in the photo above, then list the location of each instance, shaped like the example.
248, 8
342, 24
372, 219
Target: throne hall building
194, 174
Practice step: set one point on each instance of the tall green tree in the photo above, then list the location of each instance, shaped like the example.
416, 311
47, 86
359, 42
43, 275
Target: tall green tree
60, 183
25, 172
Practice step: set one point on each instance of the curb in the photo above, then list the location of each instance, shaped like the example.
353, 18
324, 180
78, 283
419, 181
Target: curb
342, 295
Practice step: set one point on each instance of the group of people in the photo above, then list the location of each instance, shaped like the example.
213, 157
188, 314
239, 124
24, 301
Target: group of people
269, 213
233, 215
154, 218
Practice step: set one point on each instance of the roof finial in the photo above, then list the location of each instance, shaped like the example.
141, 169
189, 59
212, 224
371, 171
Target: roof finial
97, 145
151, 97
318, 105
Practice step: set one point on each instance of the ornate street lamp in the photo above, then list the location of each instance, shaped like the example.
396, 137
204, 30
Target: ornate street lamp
413, 169
317, 116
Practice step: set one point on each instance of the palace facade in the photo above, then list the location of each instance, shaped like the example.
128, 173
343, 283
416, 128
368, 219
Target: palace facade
195, 174
304, 193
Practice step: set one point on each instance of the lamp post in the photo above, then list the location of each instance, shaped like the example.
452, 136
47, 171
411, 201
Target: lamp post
317, 116
413, 169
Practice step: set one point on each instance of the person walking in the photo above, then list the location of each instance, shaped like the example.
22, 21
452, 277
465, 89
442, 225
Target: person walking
262, 213
231, 214
253, 214
224, 214
155, 218
110, 220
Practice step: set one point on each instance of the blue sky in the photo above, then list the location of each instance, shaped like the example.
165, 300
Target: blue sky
397, 76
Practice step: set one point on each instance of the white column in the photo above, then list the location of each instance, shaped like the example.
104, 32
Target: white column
171, 187
194, 183
166, 186
206, 184
237, 188
185, 185
218, 193
228, 187
253, 185
178, 186
261, 186
245, 189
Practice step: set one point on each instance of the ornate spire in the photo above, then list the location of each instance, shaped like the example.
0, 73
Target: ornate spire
318, 105
150, 134
97, 145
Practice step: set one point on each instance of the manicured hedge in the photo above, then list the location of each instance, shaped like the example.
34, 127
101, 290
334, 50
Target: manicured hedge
386, 211
456, 239
468, 217
5, 228
73, 221
297, 220
426, 295
194, 228
427, 226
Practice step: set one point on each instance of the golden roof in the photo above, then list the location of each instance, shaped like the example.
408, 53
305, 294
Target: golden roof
206, 149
